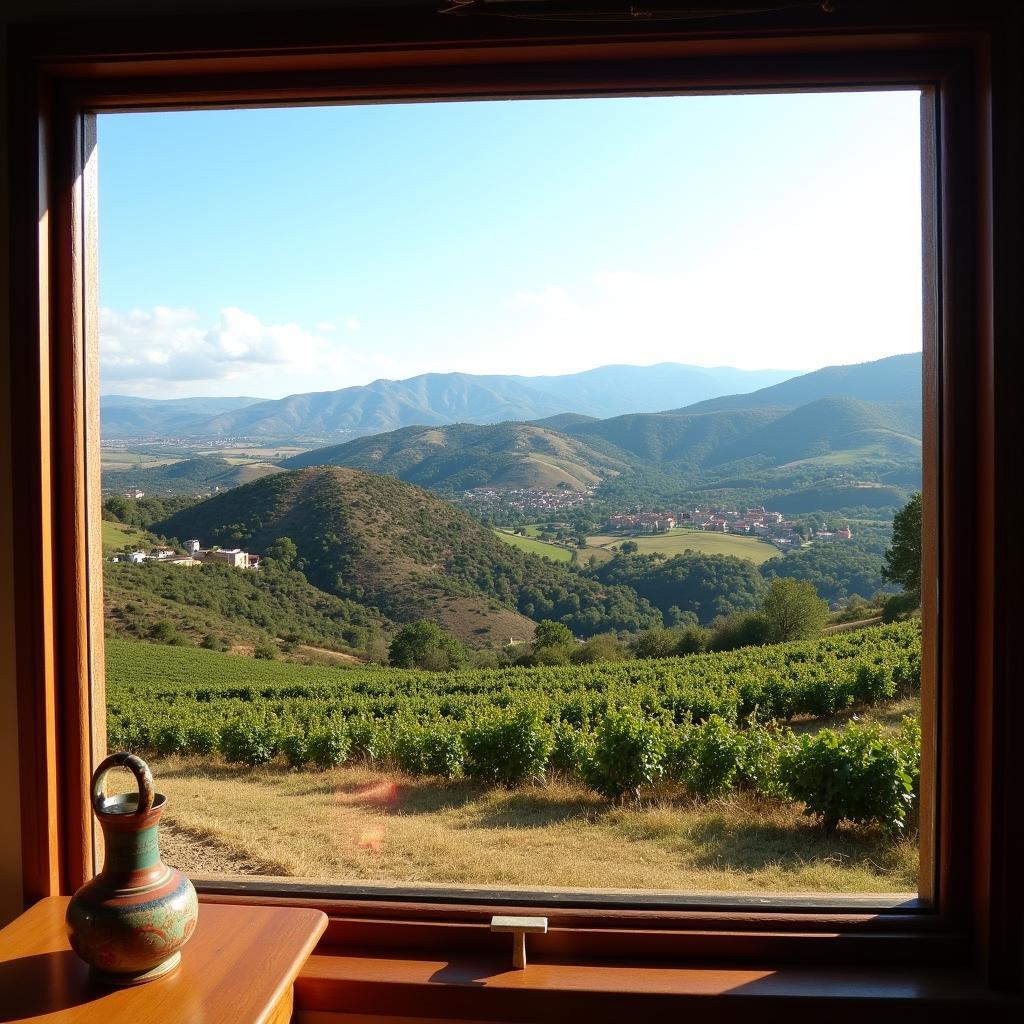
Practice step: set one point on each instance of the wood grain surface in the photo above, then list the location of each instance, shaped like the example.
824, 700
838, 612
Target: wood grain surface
351, 982
238, 968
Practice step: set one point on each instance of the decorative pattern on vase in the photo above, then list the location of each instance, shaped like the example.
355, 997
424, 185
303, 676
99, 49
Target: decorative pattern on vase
130, 922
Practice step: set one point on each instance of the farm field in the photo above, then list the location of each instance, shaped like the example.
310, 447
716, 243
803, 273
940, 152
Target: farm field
536, 547
119, 459
676, 541
503, 776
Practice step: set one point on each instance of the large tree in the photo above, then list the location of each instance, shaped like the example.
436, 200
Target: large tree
903, 559
425, 644
793, 611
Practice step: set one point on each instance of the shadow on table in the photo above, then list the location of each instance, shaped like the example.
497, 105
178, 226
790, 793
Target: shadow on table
43, 983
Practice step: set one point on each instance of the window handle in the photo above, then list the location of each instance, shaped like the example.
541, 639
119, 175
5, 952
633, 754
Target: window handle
519, 926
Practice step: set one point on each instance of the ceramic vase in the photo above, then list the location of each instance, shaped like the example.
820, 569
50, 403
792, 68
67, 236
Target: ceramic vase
130, 922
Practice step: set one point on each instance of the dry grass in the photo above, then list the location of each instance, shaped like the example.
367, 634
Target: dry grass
363, 824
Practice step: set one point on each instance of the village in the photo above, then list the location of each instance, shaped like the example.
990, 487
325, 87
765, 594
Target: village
759, 522
194, 554
529, 501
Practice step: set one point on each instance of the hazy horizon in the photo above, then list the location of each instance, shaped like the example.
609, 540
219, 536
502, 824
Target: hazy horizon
284, 251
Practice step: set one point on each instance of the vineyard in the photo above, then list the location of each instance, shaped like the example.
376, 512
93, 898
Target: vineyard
701, 726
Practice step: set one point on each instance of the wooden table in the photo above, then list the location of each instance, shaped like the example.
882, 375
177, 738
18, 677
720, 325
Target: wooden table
238, 968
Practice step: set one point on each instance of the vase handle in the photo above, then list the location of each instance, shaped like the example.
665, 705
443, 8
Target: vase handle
138, 768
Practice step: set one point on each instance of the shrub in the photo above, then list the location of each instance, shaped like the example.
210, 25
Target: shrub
856, 774
760, 750
656, 643
429, 750
266, 651
605, 647
366, 739
692, 640
202, 738
899, 606
164, 632
508, 747
628, 753
328, 747
571, 749
705, 758
742, 629
171, 739
295, 747
248, 742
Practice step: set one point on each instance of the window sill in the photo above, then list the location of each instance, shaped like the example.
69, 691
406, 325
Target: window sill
338, 982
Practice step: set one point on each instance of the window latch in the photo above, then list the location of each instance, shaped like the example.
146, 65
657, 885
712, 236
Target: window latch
519, 926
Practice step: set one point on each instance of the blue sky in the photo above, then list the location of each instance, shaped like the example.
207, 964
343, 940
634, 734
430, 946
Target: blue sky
268, 252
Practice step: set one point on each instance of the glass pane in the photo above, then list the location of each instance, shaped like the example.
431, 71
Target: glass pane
520, 494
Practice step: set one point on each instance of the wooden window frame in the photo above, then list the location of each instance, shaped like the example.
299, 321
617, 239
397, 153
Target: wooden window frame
61, 75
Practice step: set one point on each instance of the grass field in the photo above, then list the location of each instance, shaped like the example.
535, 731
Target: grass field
117, 536
676, 541
120, 461
360, 823
536, 547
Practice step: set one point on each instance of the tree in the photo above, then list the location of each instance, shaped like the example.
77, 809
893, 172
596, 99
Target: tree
793, 610
283, 551
425, 645
629, 547
551, 634
903, 558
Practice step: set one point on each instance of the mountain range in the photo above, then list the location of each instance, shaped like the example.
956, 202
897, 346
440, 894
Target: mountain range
843, 425
432, 399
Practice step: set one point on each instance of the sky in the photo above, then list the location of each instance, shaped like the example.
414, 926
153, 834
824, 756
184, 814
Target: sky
274, 252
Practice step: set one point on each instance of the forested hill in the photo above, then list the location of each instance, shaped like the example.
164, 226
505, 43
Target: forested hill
398, 549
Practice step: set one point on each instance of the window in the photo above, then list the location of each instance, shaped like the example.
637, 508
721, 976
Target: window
429, 555
974, 889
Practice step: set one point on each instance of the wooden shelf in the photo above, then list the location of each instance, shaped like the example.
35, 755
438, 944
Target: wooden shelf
238, 968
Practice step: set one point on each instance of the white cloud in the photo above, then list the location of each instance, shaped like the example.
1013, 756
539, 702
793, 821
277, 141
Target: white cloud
352, 324
325, 327
165, 351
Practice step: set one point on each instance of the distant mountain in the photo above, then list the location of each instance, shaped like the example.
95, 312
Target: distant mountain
127, 416
827, 445
438, 399
400, 551
464, 455
893, 380
189, 476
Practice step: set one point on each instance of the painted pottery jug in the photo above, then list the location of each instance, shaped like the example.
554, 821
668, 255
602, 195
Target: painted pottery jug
130, 922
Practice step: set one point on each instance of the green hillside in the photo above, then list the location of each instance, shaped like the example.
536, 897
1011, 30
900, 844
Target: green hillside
397, 548
233, 606
463, 456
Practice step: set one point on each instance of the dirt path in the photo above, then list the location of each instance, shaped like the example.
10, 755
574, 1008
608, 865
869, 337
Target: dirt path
202, 857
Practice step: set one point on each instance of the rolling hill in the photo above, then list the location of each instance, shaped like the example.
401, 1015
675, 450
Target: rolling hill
188, 476
406, 554
431, 399
464, 456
